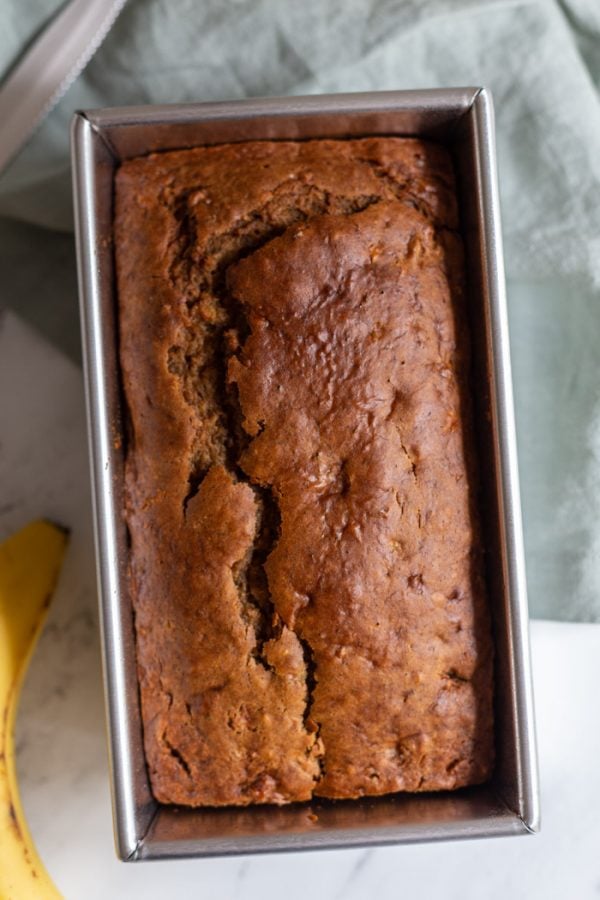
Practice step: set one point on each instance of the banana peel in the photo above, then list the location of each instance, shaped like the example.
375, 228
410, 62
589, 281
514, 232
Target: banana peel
30, 563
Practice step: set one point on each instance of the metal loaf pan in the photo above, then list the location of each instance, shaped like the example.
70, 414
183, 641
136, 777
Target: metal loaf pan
463, 119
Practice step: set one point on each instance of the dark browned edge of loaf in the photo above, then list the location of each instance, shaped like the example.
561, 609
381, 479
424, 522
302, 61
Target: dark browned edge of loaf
305, 562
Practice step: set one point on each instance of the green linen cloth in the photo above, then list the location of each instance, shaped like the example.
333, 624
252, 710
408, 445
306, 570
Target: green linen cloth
541, 59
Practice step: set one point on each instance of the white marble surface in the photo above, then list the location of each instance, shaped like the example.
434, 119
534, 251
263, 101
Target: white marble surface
61, 744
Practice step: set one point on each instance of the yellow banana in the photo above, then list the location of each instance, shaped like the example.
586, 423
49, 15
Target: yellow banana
29, 565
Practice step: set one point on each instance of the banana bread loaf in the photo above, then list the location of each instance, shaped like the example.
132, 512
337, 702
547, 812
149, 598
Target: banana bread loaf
305, 560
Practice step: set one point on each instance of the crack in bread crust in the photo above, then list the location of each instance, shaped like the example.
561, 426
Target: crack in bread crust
221, 340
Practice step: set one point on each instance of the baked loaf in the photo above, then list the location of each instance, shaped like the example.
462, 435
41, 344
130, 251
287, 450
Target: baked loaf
305, 565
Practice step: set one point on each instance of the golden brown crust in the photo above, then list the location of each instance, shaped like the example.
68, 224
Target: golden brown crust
333, 451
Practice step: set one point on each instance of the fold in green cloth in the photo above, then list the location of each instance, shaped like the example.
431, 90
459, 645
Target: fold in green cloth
542, 63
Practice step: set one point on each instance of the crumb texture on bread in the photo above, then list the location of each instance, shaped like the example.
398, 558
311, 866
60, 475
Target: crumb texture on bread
305, 562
